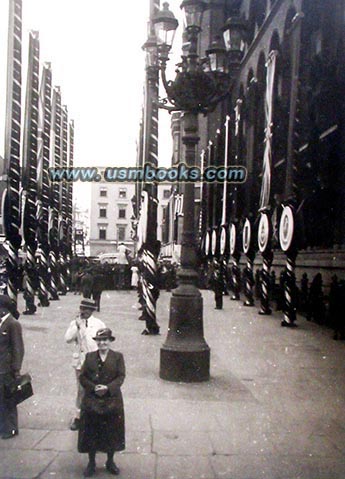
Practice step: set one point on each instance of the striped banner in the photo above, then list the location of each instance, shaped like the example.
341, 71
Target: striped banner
55, 161
43, 151
12, 144
29, 173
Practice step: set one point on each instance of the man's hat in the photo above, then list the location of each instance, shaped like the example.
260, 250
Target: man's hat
87, 303
104, 333
7, 303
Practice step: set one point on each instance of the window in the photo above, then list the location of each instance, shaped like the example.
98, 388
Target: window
122, 192
103, 192
122, 212
121, 233
102, 232
102, 211
166, 194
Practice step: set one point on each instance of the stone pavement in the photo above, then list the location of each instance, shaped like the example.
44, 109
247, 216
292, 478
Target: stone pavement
273, 409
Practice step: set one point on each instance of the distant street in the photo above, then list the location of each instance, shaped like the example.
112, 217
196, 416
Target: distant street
273, 409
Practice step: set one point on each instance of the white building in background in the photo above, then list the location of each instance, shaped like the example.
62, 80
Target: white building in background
111, 215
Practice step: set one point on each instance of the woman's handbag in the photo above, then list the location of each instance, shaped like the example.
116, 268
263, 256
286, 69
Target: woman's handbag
19, 389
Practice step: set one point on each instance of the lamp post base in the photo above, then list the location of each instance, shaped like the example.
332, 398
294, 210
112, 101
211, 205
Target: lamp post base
184, 365
185, 355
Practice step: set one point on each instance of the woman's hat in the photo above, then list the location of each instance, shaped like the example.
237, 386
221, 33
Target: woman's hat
7, 303
104, 333
87, 303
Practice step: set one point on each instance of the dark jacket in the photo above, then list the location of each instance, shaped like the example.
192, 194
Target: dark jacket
11, 346
112, 374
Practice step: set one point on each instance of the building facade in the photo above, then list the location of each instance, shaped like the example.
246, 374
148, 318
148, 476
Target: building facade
112, 220
285, 116
110, 216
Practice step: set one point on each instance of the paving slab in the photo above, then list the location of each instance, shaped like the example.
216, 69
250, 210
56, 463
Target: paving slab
24, 465
59, 441
181, 443
26, 439
182, 467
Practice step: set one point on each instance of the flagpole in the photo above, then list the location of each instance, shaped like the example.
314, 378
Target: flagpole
151, 247
29, 176
12, 144
43, 150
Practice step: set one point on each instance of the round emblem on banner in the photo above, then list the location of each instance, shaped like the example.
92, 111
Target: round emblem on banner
222, 240
286, 228
246, 236
263, 232
232, 238
207, 244
214, 242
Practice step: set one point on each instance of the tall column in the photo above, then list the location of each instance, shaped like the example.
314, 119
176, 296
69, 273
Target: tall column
265, 227
287, 238
70, 191
29, 177
150, 248
12, 144
185, 355
62, 224
55, 194
43, 187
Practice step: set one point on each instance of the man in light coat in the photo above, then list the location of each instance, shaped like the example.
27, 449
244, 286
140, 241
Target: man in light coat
81, 332
11, 358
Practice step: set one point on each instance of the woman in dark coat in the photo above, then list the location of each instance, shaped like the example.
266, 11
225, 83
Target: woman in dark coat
102, 424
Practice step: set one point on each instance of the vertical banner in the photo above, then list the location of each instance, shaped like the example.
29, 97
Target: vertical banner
43, 151
63, 204
226, 162
29, 173
70, 191
267, 159
12, 144
55, 161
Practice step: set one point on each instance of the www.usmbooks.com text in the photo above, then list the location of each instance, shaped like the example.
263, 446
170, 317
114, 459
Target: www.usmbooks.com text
150, 173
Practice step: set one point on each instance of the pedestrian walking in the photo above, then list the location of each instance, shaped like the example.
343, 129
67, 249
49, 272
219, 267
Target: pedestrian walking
86, 284
134, 277
218, 285
102, 424
97, 288
11, 358
81, 332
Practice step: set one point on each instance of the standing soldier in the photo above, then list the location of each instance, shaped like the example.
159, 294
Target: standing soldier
218, 285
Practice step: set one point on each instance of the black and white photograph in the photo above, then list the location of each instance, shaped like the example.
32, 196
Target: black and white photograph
172, 239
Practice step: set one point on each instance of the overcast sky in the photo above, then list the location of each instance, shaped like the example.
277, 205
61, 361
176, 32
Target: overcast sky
95, 50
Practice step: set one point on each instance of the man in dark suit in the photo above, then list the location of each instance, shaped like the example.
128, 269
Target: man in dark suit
11, 358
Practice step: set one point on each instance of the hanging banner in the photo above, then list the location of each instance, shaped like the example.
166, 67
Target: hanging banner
142, 225
267, 158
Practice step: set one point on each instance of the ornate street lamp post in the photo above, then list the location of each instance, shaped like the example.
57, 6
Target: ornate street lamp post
199, 85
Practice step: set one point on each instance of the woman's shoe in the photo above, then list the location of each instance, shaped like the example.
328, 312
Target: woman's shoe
90, 469
112, 468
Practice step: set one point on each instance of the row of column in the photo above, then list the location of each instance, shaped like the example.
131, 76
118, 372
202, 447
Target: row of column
37, 213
